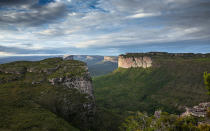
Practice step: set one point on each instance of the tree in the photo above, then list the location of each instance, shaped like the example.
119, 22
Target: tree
207, 81
137, 122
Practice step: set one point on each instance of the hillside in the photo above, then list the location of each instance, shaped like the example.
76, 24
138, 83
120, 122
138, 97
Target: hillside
51, 94
170, 84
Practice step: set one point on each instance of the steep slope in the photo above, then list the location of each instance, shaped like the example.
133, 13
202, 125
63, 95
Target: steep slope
170, 84
40, 95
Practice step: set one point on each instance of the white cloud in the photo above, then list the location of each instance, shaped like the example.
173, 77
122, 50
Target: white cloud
142, 15
3, 54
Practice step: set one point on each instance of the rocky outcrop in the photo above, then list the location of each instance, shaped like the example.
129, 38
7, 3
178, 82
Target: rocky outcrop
198, 111
128, 62
77, 101
81, 83
110, 59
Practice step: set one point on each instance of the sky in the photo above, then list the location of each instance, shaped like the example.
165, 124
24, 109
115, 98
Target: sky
103, 27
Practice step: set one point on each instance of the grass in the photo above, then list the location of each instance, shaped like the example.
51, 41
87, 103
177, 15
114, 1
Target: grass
19, 111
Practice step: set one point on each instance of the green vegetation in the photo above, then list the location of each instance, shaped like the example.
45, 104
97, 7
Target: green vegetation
207, 81
29, 102
20, 111
165, 122
169, 85
106, 120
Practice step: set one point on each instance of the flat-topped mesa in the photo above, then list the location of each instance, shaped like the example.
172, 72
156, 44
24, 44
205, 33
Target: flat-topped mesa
146, 60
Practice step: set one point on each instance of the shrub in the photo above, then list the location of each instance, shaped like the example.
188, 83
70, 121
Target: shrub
207, 81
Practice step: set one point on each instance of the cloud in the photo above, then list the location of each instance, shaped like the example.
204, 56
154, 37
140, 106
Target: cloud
4, 3
30, 13
78, 25
3, 54
142, 15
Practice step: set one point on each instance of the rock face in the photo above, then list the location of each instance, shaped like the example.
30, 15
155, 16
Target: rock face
198, 111
111, 59
69, 108
81, 83
157, 114
128, 62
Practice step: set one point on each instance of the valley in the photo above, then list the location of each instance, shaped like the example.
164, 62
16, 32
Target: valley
59, 94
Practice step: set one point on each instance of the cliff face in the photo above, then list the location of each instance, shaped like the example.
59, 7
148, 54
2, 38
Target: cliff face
82, 83
128, 62
64, 87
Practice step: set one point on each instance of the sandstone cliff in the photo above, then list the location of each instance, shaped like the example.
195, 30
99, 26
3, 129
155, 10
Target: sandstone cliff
128, 62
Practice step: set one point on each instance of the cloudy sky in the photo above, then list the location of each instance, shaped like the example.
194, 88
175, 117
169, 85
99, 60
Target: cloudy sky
105, 27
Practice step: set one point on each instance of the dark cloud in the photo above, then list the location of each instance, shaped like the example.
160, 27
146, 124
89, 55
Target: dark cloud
16, 2
30, 12
192, 13
182, 14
